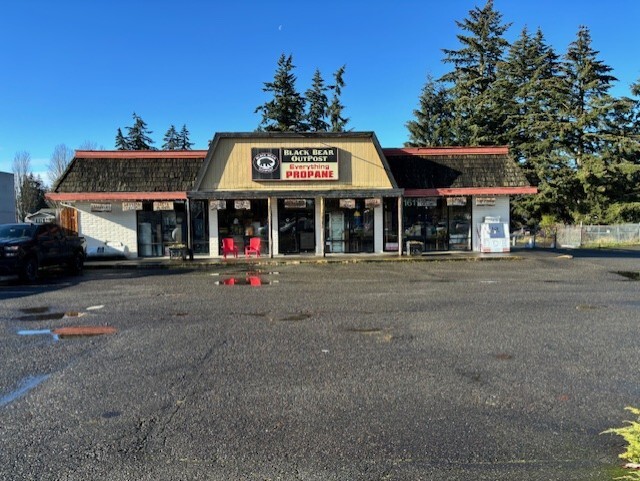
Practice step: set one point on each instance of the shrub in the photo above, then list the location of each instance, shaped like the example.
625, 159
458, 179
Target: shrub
631, 434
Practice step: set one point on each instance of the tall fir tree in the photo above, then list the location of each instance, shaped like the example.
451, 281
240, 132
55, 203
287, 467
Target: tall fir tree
318, 104
183, 139
432, 125
528, 88
285, 112
584, 114
476, 114
336, 120
170, 139
138, 135
121, 141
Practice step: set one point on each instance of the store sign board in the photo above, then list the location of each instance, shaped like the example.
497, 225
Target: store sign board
371, 203
486, 201
421, 202
295, 203
347, 203
217, 204
163, 205
101, 207
295, 164
127, 206
242, 204
456, 201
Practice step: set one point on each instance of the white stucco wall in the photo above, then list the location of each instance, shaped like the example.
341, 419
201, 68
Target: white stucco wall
501, 209
115, 226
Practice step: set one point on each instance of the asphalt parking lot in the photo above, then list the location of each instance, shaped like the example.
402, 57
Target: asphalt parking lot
468, 370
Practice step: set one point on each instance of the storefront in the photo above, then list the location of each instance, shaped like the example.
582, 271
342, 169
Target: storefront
283, 194
450, 192
303, 194
134, 203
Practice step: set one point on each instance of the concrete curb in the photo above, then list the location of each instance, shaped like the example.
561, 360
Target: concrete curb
208, 263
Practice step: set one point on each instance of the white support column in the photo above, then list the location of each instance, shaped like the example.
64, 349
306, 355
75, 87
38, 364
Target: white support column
319, 226
400, 229
378, 225
273, 226
214, 239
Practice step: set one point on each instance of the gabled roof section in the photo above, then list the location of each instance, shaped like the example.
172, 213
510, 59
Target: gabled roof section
126, 171
453, 168
257, 136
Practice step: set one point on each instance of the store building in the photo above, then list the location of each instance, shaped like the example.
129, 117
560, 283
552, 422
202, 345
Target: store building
300, 193
288, 193
457, 198
131, 202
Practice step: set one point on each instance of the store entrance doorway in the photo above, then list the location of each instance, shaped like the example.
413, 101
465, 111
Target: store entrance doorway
296, 226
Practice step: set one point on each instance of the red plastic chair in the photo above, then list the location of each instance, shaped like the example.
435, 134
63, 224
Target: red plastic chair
253, 247
229, 247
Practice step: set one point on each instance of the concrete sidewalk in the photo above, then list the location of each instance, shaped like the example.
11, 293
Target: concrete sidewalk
208, 262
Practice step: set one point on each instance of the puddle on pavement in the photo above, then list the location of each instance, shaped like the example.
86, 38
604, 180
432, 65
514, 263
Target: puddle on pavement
249, 280
504, 356
26, 385
588, 307
111, 414
49, 316
634, 276
35, 310
364, 330
296, 317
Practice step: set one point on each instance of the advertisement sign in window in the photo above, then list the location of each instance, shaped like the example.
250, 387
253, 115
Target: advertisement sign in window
217, 204
163, 205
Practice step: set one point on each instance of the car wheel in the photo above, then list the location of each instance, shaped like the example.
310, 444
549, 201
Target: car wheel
76, 264
29, 271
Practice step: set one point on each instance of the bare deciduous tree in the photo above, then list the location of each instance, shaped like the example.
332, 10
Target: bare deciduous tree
59, 161
21, 169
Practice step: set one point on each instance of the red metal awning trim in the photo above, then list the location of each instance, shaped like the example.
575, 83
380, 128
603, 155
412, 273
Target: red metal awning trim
470, 191
116, 196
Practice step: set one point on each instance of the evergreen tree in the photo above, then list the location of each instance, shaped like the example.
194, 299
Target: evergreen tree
31, 196
432, 124
585, 116
170, 139
476, 119
138, 135
318, 104
285, 112
122, 143
337, 121
183, 139
528, 88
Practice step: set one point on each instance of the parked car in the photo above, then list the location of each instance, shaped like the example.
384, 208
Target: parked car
25, 248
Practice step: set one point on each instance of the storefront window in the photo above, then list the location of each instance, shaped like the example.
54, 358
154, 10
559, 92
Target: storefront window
243, 219
348, 226
390, 220
160, 229
200, 227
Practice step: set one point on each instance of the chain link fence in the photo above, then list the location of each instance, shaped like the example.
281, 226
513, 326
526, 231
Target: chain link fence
573, 236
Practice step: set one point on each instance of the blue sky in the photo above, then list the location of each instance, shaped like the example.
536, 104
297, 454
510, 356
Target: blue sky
75, 70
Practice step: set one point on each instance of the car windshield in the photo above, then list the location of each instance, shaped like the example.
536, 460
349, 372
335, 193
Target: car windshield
15, 231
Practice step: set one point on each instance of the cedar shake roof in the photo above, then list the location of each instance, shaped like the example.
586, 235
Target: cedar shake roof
455, 168
131, 171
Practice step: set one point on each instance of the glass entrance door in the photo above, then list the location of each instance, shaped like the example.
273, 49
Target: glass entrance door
296, 226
